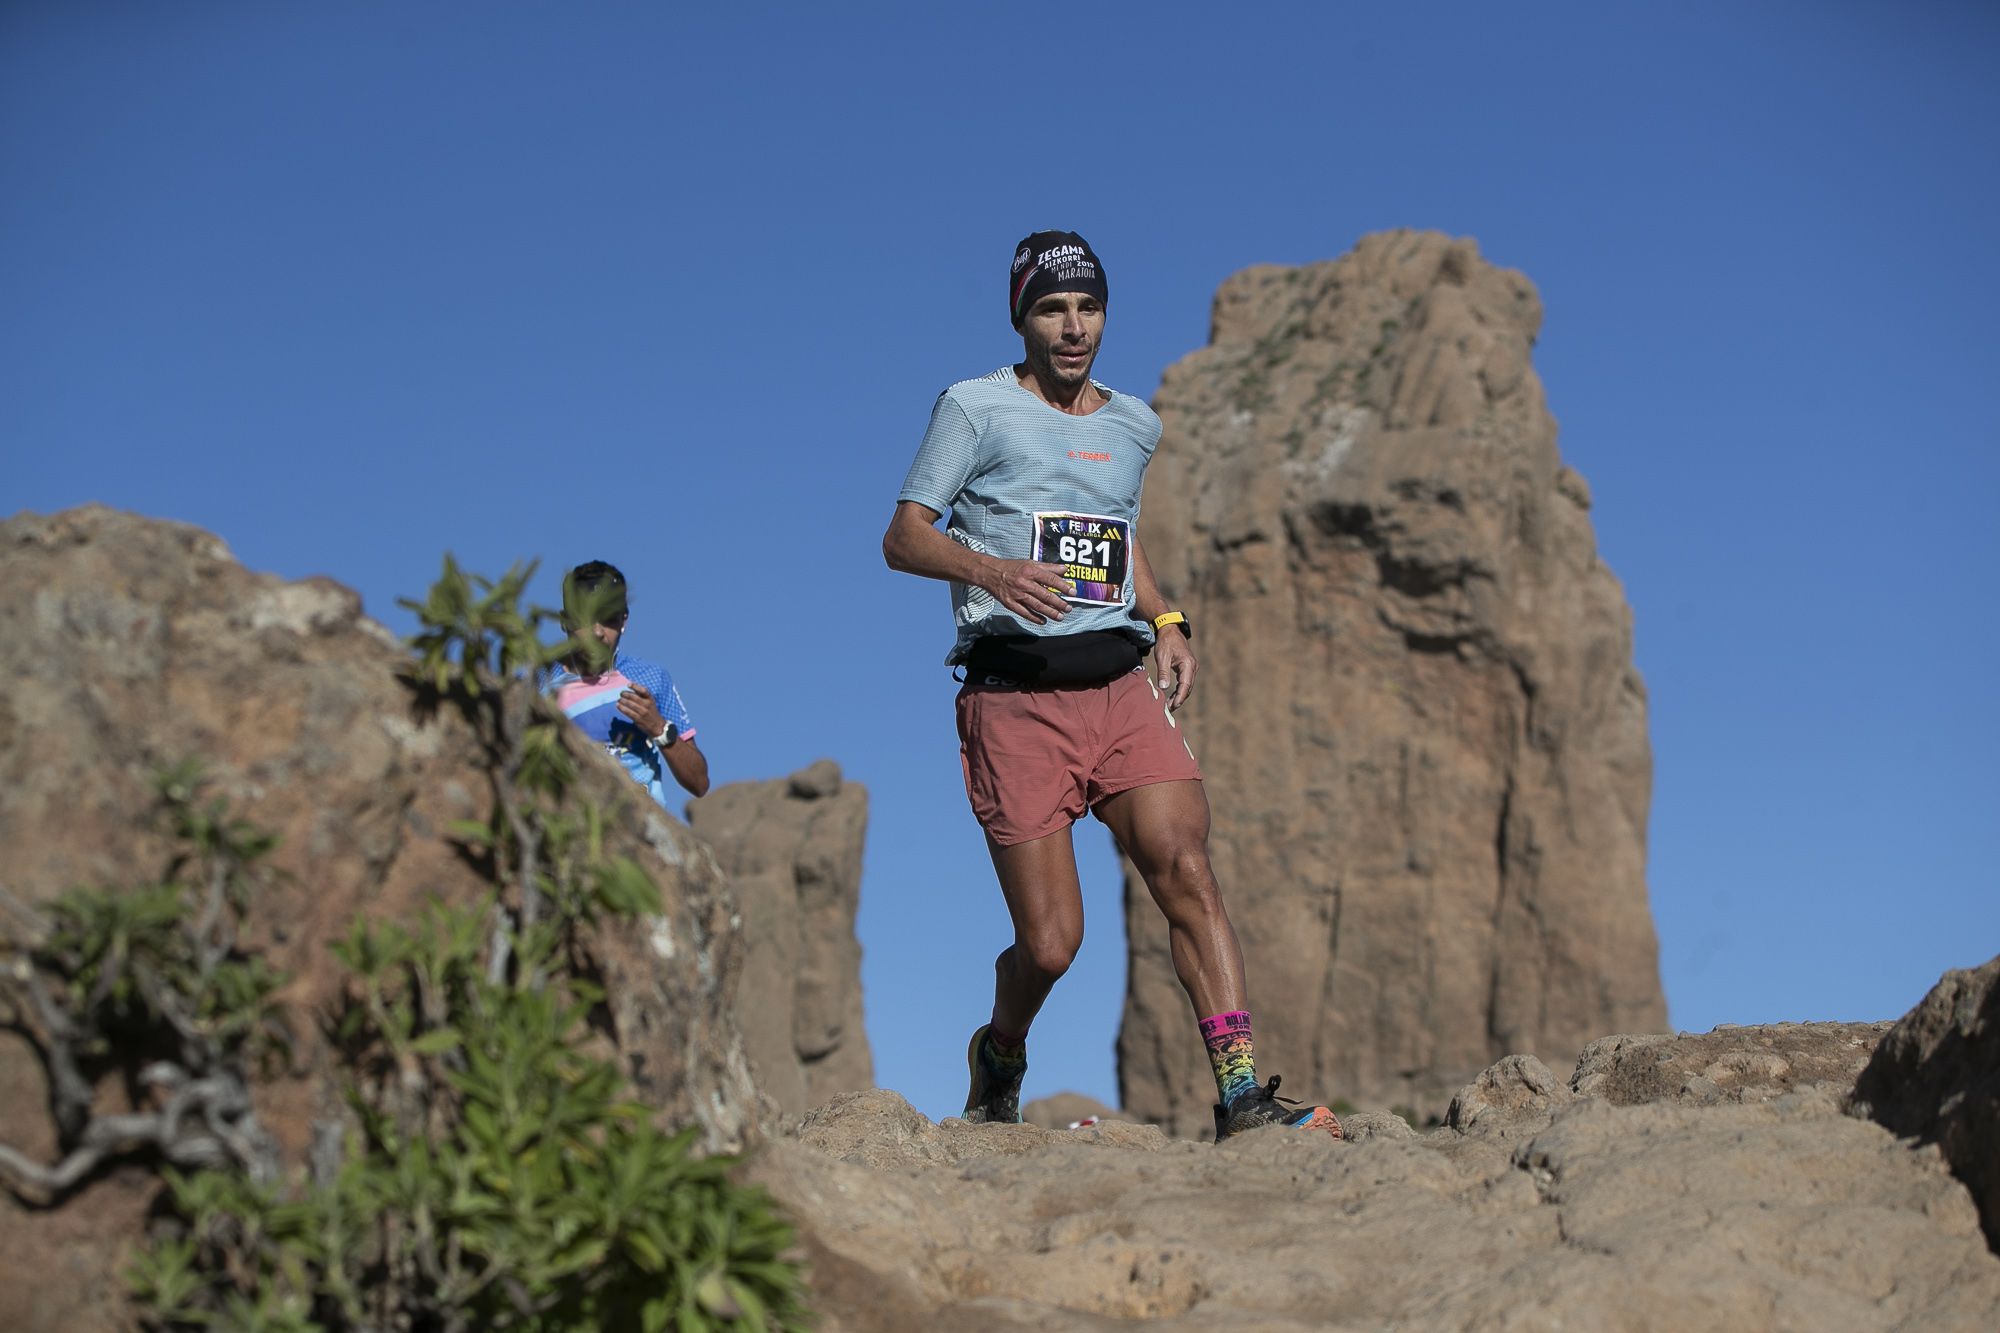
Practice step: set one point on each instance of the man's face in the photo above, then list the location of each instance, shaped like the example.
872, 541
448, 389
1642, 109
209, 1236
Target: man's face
1060, 334
606, 632
610, 631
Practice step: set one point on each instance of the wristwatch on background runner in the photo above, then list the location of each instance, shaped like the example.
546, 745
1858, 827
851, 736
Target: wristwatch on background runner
1165, 619
666, 739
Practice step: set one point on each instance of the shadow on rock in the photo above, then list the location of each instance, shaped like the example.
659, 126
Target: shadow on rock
1936, 1078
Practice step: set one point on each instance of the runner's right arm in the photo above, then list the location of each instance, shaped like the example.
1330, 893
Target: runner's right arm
914, 545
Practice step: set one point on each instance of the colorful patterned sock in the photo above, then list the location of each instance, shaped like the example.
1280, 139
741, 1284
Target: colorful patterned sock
1229, 1050
1006, 1048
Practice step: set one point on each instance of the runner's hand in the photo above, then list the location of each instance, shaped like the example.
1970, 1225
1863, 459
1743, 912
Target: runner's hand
636, 703
1177, 665
1032, 590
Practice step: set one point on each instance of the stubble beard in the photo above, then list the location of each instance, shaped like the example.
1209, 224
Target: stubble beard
1059, 375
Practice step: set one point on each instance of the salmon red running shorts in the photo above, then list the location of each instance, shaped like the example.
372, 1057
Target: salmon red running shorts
1036, 760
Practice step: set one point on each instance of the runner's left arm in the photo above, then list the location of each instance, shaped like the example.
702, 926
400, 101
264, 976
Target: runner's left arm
688, 765
1171, 649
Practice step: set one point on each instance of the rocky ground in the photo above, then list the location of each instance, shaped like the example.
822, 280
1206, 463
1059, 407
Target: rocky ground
1712, 1181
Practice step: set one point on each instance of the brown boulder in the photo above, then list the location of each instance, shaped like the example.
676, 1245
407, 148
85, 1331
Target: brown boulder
128, 644
1424, 738
1936, 1078
792, 850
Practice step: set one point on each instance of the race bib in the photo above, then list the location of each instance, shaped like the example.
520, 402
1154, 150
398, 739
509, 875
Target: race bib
1091, 549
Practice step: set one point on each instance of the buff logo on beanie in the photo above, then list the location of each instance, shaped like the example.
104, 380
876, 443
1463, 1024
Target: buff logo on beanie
1053, 261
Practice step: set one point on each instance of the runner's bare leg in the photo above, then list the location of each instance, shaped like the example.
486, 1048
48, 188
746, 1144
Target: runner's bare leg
1039, 881
1163, 828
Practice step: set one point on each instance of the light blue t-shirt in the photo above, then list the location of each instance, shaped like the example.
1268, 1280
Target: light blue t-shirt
592, 703
1023, 481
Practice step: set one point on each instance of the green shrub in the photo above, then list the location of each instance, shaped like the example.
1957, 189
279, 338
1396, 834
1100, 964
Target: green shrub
497, 1179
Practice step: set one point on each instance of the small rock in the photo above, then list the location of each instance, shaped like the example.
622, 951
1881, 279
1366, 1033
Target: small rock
1512, 1098
816, 780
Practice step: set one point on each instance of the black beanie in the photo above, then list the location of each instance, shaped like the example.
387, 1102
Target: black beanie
1052, 261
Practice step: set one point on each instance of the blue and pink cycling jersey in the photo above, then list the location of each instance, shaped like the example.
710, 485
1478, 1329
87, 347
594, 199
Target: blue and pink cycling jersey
592, 703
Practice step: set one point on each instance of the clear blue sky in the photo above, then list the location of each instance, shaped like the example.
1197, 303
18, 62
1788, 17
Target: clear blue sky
354, 285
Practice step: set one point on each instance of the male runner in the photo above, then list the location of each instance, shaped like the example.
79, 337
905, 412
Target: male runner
1040, 468
630, 707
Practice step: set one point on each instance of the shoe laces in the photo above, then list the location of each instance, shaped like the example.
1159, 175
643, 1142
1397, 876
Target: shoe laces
1267, 1093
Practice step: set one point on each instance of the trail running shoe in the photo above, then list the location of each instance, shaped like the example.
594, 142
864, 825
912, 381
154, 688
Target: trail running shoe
995, 1096
1263, 1106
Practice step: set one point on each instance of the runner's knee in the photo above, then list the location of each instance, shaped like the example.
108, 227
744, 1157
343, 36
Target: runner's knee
1050, 953
1178, 861
1183, 879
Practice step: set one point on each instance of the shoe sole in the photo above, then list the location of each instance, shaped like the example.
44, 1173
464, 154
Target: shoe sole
972, 1073
1320, 1119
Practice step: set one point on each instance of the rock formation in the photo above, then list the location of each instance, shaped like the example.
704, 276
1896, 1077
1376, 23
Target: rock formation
1634, 1197
1424, 739
1060, 1110
1936, 1078
792, 850
128, 644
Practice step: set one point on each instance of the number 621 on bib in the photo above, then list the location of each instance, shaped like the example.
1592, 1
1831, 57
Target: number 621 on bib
1091, 548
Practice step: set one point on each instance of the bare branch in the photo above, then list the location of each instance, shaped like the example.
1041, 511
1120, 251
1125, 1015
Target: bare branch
105, 1136
108, 972
56, 1043
498, 947
228, 1134
208, 949
166, 1004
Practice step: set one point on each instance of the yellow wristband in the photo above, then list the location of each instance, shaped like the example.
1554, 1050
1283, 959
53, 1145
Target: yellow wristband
1160, 622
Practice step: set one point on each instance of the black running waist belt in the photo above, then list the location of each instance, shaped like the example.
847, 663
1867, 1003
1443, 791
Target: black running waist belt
1088, 657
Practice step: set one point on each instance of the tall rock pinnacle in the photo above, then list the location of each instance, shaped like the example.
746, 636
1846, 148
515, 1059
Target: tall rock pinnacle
1424, 739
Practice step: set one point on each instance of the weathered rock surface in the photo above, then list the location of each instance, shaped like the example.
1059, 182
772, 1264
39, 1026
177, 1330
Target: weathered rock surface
1424, 738
127, 644
1936, 1077
792, 850
1516, 1098
1730, 1064
1554, 1208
